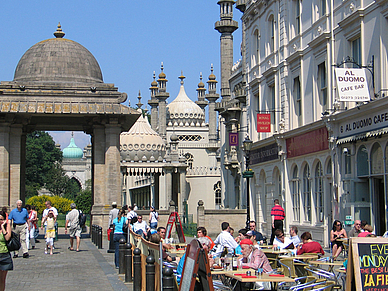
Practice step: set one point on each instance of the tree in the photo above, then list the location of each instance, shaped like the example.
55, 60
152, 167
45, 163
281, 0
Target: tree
41, 154
84, 199
59, 184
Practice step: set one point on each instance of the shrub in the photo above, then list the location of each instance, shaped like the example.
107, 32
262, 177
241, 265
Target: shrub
84, 201
60, 203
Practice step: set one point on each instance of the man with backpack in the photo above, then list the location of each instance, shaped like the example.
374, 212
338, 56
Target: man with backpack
73, 221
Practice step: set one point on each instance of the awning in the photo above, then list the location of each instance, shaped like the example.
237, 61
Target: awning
368, 134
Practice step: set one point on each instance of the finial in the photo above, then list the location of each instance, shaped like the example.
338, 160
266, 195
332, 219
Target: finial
139, 104
72, 134
161, 66
59, 33
200, 76
154, 76
181, 77
211, 68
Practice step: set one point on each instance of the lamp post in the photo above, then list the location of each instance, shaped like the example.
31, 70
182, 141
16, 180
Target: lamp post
247, 146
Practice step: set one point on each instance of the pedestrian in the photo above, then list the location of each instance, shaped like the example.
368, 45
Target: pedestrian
30, 236
5, 210
258, 235
113, 213
49, 221
36, 234
294, 236
337, 233
132, 215
277, 216
45, 213
72, 220
202, 232
19, 217
140, 227
308, 245
118, 234
224, 240
6, 263
154, 217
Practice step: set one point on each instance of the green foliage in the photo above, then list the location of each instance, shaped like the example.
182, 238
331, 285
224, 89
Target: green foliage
41, 154
61, 185
60, 203
84, 201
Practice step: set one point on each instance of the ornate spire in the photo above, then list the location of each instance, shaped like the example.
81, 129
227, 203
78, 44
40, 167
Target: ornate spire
59, 33
139, 104
182, 78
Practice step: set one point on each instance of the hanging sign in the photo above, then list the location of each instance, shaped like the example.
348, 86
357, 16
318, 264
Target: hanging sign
233, 139
352, 85
264, 122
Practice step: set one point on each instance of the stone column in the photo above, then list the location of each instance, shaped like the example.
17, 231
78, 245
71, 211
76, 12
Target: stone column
4, 164
168, 185
15, 164
200, 214
182, 186
99, 177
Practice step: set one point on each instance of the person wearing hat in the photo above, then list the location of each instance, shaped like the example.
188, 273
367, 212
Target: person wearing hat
72, 220
113, 213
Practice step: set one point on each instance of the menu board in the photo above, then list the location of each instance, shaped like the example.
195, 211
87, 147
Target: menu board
368, 264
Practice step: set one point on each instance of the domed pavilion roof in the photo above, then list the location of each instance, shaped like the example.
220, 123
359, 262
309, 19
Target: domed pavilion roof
183, 111
58, 60
72, 151
141, 143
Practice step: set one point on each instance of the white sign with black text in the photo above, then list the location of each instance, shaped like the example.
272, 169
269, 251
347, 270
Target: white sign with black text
352, 85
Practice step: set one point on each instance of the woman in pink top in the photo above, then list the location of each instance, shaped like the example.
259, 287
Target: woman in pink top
367, 231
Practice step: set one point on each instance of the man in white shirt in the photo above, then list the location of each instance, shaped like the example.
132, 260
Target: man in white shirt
131, 214
72, 219
113, 213
281, 241
140, 227
294, 236
224, 239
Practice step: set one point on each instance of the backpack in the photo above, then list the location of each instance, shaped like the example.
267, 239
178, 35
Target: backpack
81, 218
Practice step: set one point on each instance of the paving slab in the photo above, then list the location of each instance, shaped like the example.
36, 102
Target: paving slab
88, 269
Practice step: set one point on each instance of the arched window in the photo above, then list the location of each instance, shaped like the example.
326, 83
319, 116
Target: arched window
377, 159
217, 193
271, 31
362, 161
263, 195
256, 51
295, 194
318, 192
189, 160
328, 168
306, 193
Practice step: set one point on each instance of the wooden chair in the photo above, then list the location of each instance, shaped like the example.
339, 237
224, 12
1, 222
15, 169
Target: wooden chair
273, 260
290, 267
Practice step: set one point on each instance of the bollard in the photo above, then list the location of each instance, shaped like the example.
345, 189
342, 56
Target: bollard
100, 237
136, 270
168, 279
122, 256
150, 273
111, 242
92, 229
128, 263
94, 233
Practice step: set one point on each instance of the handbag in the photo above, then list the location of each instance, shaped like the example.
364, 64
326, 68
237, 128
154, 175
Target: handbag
13, 244
125, 228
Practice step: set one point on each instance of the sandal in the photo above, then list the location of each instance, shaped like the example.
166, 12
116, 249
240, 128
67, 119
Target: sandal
69, 248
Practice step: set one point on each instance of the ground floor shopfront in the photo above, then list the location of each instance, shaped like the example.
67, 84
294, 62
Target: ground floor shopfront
336, 168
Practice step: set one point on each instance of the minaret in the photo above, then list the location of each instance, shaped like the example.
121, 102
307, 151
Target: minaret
201, 91
154, 105
226, 26
162, 96
212, 98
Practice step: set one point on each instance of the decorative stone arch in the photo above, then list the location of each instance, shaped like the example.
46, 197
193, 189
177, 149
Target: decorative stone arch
376, 159
73, 99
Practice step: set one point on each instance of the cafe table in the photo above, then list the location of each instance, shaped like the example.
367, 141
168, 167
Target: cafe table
272, 278
297, 257
279, 252
329, 264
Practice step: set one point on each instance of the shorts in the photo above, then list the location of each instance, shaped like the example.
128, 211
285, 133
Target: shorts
6, 263
76, 231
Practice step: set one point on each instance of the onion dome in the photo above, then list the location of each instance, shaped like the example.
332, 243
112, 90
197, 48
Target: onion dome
183, 111
58, 60
141, 143
72, 151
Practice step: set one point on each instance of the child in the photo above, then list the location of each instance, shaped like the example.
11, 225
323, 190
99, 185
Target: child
50, 231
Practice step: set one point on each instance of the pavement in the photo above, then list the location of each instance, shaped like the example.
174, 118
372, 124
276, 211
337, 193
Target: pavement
88, 269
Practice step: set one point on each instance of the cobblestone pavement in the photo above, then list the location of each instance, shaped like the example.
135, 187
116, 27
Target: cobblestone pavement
88, 269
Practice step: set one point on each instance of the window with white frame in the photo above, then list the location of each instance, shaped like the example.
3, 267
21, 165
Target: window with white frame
356, 51
297, 16
272, 106
271, 30
295, 194
306, 193
257, 46
318, 192
217, 193
297, 97
322, 85
322, 7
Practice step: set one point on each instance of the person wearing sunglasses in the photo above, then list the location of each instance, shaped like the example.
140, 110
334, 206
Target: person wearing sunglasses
337, 233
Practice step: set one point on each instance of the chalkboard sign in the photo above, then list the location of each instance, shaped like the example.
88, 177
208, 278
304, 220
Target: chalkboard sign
175, 219
368, 264
196, 266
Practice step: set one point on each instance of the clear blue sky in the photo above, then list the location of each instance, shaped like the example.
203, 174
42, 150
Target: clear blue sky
128, 38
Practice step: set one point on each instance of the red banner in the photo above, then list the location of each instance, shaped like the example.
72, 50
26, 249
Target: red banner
307, 143
264, 122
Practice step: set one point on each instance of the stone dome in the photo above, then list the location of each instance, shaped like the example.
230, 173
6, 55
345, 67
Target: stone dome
142, 143
183, 111
58, 60
72, 151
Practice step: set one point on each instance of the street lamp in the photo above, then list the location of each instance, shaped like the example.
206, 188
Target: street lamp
247, 146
